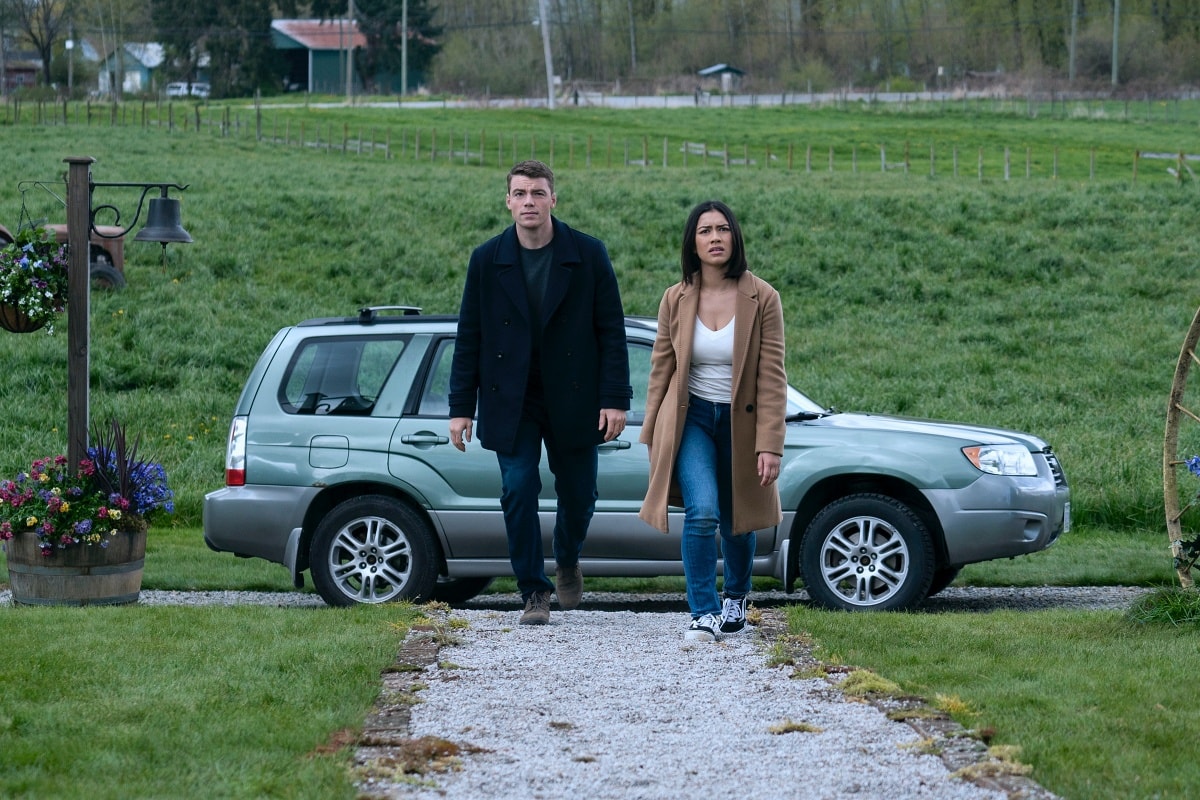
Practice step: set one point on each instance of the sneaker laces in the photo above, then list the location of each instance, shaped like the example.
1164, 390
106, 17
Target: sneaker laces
731, 609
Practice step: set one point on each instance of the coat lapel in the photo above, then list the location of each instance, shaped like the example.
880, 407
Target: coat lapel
566, 253
508, 272
746, 311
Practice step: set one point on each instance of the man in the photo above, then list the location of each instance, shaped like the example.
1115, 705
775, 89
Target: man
541, 349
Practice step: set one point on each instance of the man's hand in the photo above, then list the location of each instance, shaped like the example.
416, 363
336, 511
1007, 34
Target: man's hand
460, 432
612, 422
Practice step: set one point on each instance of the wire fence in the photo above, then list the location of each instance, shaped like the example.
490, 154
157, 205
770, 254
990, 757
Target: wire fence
490, 148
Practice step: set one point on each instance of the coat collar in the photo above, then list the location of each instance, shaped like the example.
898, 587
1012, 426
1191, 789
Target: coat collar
508, 260
566, 251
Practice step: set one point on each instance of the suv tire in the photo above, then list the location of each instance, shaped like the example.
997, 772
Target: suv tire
373, 549
867, 552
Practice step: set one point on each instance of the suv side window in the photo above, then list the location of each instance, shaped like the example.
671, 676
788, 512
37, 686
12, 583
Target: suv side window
435, 398
639, 377
339, 376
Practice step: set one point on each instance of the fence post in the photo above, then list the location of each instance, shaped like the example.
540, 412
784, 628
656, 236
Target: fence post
882, 158
1136, 155
1006, 164
664, 152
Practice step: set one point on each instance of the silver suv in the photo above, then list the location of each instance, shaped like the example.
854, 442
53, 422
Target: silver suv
339, 463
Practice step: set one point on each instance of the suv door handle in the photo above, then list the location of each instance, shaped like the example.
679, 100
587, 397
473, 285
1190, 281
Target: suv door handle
615, 444
424, 438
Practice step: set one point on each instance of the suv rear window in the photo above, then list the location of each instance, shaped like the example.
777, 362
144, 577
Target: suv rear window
341, 376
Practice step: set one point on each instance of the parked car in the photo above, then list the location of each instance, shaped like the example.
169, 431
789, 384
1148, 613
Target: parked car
106, 253
339, 463
183, 89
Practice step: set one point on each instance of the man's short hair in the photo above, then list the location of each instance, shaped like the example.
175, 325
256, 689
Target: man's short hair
531, 169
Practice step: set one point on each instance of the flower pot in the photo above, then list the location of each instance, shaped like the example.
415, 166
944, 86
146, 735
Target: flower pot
17, 321
79, 575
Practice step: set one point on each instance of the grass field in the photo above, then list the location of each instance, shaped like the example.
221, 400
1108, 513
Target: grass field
1052, 305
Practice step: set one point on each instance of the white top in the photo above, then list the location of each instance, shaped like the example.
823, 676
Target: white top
711, 374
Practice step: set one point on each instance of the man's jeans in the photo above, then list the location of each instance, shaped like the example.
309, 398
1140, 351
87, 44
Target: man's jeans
704, 470
575, 486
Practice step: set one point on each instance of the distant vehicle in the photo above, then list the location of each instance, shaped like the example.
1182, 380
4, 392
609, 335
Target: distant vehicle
339, 463
182, 89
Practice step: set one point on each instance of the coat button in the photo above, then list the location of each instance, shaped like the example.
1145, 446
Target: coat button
749, 407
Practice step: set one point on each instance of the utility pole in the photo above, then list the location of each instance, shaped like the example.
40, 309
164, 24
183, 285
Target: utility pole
1074, 28
1116, 37
404, 48
544, 21
350, 52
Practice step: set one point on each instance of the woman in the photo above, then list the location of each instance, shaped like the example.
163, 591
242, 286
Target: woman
715, 409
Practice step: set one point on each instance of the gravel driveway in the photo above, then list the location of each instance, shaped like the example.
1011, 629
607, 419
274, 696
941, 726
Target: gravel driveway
609, 702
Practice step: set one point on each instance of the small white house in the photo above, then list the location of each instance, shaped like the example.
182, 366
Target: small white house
138, 62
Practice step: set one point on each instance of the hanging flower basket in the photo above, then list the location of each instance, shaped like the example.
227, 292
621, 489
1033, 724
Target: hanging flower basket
33, 281
14, 320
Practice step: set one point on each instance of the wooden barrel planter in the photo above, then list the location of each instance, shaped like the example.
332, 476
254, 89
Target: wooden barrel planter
15, 320
79, 575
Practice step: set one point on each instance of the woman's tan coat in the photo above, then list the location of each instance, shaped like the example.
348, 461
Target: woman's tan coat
757, 410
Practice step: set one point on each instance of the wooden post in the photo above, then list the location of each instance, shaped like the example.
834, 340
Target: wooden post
79, 225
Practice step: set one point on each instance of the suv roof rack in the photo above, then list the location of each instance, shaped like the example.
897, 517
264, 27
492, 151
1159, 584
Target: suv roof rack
367, 314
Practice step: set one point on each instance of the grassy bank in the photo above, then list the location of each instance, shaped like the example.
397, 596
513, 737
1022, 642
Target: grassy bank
1091, 699
187, 702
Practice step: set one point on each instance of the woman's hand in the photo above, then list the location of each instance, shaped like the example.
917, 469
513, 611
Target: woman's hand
768, 468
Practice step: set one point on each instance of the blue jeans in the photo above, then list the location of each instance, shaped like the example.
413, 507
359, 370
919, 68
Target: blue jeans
575, 486
704, 470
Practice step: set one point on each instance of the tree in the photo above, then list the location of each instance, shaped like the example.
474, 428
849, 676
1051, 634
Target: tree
235, 34
43, 22
381, 23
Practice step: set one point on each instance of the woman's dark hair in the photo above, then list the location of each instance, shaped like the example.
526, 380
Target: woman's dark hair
690, 259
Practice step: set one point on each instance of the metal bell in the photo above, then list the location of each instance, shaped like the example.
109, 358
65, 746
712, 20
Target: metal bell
163, 223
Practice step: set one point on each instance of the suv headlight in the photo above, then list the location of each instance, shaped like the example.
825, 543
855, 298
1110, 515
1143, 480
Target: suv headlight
1001, 459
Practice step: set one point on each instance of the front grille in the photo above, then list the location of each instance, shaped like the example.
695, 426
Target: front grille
1060, 477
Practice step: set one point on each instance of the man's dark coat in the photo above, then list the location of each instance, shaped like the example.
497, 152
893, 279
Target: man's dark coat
584, 361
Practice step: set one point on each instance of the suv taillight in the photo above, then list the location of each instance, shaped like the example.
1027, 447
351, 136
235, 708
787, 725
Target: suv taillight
235, 454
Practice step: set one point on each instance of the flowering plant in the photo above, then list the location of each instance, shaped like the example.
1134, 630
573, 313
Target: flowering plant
112, 491
33, 276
